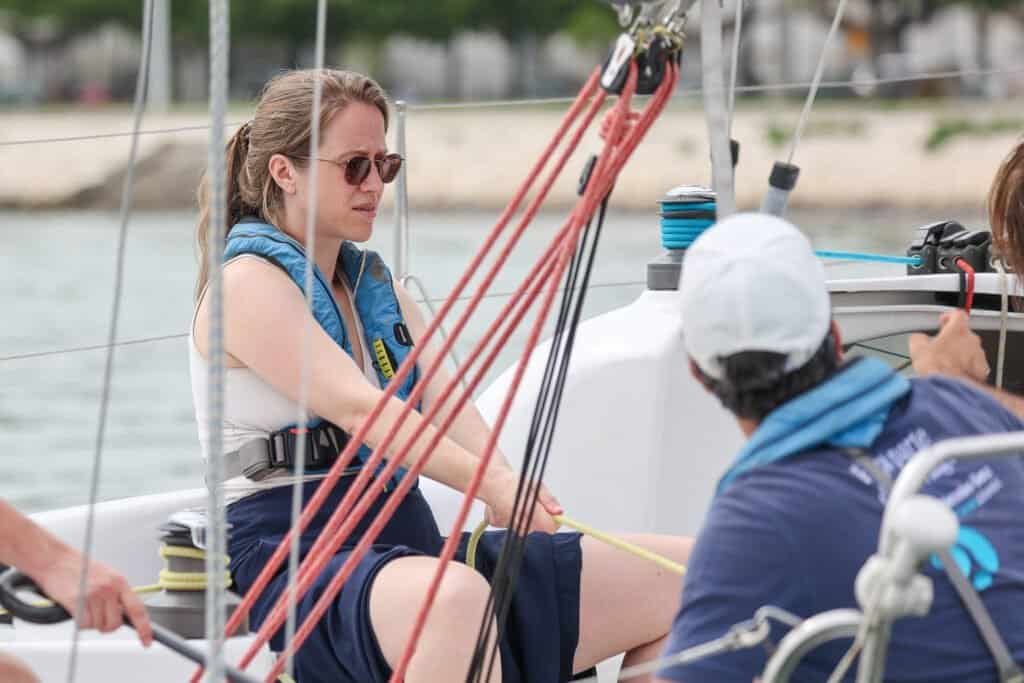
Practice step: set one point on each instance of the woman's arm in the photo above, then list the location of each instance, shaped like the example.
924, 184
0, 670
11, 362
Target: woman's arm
468, 429
265, 315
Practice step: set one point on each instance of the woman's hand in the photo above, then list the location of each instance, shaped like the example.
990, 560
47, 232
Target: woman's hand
954, 351
501, 497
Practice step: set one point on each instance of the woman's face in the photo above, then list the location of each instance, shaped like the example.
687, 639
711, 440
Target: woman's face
345, 210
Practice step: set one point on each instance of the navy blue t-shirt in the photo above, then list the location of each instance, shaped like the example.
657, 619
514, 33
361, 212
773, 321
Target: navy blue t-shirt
795, 533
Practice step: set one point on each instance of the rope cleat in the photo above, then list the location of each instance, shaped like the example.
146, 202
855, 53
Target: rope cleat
925, 245
939, 246
654, 36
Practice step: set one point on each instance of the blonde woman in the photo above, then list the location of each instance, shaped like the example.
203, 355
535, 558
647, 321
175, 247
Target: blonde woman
576, 603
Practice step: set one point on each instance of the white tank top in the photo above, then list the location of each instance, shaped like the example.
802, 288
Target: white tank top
252, 408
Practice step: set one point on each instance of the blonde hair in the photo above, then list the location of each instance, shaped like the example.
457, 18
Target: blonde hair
281, 125
1006, 210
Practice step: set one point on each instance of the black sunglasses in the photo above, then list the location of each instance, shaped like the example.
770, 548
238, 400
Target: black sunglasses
357, 168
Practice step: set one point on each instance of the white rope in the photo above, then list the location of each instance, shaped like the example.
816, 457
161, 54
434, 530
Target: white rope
733, 77
307, 332
816, 82
127, 195
1004, 321
216, 541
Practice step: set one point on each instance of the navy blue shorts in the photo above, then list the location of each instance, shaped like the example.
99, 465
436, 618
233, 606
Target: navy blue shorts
540, 636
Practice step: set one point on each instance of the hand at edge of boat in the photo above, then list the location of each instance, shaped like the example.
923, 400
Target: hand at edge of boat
955, 351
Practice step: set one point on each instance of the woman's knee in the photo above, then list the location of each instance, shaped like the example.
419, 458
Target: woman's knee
398, 592
463, 593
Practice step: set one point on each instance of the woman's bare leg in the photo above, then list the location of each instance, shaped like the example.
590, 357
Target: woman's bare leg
627, 603
446, 646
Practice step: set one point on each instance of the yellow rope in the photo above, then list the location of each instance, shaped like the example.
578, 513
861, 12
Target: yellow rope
625, 546
175, 581
474, 541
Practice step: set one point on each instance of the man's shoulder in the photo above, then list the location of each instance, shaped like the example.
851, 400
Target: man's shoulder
974, 409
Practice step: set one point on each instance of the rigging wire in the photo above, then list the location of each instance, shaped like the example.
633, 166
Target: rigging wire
501, 104
183, 335
816, 81
127, 194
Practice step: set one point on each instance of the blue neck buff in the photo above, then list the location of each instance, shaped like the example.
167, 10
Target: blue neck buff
847, 410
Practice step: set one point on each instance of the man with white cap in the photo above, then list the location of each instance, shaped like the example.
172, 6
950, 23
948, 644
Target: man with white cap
798, 512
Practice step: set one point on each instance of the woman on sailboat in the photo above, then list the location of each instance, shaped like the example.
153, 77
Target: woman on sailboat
577, 602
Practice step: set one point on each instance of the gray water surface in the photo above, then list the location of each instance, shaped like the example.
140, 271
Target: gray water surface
56, 293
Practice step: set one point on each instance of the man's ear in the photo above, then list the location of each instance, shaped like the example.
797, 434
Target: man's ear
838, 337
283, 172
699, 376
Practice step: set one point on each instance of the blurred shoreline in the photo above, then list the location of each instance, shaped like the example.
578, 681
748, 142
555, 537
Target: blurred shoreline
852, 155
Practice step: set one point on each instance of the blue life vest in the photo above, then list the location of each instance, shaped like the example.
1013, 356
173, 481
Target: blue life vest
375, 301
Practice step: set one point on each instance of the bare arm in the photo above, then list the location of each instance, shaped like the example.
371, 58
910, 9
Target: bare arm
956, 351
264, 317
468, 429
56, 567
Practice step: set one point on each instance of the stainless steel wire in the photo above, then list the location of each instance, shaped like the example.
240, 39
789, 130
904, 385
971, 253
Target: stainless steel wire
216, 532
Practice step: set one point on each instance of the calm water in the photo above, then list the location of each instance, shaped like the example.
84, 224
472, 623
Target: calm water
57, 274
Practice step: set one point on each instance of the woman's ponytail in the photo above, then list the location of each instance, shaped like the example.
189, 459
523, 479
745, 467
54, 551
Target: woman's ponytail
237, 149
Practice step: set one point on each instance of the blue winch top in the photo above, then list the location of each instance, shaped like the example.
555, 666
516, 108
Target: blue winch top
686, 212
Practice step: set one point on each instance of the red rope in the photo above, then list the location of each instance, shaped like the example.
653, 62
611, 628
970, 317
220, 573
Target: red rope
334, 474
452, 541
563, 250
967, 270
593, 190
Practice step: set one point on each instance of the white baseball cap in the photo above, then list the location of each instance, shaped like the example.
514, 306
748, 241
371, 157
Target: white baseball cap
753, 283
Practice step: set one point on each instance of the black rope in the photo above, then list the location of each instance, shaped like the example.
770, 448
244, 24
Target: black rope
876, 349
537, 451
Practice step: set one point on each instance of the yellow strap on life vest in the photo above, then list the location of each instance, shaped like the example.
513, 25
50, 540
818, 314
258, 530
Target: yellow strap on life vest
383, 359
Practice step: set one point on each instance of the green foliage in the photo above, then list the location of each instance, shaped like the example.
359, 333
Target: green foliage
945, 130
778, 134
295, 20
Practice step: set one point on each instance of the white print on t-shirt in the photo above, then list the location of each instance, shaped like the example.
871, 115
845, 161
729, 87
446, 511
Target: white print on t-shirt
892, 460
978, 487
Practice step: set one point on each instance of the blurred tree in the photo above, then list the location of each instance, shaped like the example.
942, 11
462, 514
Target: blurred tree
523, 22
293, 22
